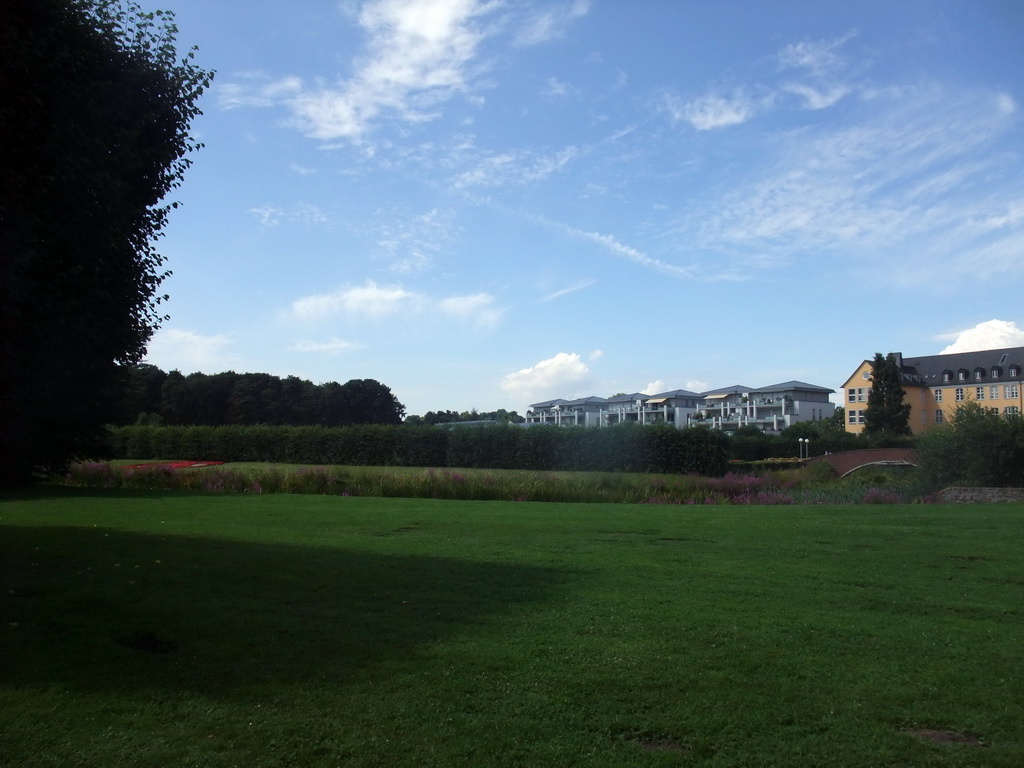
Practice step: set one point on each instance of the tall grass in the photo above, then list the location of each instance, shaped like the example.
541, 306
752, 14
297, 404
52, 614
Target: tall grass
796, 486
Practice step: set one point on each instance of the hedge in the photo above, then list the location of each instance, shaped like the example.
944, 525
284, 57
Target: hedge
626, 448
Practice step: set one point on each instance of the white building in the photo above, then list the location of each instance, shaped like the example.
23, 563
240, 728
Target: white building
771, 409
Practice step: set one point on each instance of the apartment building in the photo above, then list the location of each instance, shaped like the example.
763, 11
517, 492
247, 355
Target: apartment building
771, 409
934, 385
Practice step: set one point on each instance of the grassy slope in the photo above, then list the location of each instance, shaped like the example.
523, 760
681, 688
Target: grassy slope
364, 631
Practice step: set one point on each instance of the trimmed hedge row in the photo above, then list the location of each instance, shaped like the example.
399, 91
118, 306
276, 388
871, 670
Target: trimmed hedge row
625, 448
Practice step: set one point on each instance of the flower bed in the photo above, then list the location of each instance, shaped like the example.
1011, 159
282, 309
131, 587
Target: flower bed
173, 465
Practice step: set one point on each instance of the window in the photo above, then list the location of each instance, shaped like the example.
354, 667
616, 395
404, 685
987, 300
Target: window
959, 394
947, 375
860, 417
851, 395
852, 417
996, 371
1010, 410
979, 393
994, 411
938, 395
938, 416
993, 391
961, 375
1011, 391
924, 417
1014, 371
979, 374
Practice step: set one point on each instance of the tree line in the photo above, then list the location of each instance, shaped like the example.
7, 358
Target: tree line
155, 397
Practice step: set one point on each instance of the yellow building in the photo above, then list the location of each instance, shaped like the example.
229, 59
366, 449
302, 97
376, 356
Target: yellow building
936, 384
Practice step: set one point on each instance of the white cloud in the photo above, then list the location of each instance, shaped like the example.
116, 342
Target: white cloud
555, 377
420, 53
331, 348
820, 97
370, 300
477, 309
375, 302
696, 385
992, 334
713, 110
187, 351
818, 57
597, 354
654, 387
255, 91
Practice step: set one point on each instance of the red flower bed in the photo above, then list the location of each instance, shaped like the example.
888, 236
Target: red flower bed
173, 465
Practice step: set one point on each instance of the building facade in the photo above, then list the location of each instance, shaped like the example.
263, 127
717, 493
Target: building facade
935, 385
771, 409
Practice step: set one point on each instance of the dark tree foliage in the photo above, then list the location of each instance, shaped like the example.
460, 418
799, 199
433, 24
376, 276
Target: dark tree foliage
887, 413
253, 398
501, 415
975, 447
95, 121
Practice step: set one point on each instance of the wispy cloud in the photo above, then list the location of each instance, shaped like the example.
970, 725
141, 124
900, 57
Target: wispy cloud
188, 351
819, 57
912, 174
549, 21
412, 243
376, 302
577, 286
814, 72
418, 55
302, 213
515, 168
564, 373
332, 347
712, 110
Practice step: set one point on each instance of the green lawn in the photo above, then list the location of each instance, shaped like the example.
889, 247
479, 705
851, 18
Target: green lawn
149, 629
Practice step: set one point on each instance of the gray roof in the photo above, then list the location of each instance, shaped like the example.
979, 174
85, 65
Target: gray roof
790, 386
736, 389
628, 398
549, 403
678, 393
929, 369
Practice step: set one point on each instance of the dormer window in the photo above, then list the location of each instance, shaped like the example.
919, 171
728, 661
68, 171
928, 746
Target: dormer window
961, 375
996, 371
947, 375
1015, 371
979, 374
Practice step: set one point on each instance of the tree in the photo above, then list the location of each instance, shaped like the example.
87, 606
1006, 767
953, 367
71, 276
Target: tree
370, 402
975, 447
887, 413
95, 117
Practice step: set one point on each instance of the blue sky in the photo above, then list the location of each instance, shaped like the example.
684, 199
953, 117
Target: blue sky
487, 203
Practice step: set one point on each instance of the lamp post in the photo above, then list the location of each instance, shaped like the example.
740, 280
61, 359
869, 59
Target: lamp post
805, 447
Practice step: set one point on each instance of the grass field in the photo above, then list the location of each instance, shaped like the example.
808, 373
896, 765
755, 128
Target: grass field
170, 629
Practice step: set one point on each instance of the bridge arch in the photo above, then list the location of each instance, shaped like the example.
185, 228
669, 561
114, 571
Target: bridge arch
846, 462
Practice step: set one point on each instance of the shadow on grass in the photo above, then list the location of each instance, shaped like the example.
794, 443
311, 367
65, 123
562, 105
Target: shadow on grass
101, 609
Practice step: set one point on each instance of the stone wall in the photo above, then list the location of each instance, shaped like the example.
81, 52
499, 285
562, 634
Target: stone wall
974, 495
